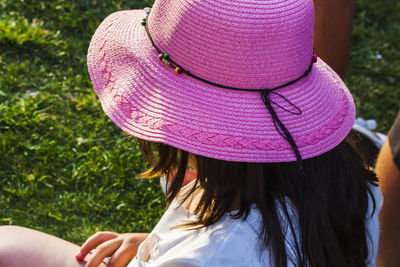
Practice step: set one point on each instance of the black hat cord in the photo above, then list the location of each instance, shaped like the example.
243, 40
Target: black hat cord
265, 94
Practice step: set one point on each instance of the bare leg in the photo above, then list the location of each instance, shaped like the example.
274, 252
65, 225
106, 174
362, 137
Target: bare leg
25, 247
333, 27
389, 218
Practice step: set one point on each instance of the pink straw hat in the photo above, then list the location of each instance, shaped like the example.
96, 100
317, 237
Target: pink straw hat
214, 44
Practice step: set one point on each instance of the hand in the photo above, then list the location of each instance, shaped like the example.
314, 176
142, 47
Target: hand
121, 247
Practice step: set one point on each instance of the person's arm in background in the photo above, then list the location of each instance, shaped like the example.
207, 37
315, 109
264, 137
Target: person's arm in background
333, 28
388, 171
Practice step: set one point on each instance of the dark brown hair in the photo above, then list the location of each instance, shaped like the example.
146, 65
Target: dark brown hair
331, 199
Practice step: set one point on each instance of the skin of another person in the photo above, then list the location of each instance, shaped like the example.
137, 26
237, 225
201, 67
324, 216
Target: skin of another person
333, 29
25, 247
389, 218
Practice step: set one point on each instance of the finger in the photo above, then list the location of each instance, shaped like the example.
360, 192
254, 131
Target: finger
102, 251
122, 256
127, 250
93, 241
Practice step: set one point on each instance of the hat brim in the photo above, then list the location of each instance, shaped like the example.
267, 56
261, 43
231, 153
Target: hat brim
150, 101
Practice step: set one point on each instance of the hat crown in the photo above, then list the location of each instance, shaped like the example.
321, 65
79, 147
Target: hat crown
245, 44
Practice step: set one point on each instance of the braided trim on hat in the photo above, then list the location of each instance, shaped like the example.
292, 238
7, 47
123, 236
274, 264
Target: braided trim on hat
224, 140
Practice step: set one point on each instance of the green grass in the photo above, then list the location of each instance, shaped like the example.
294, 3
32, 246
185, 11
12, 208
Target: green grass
65, 168
374, 71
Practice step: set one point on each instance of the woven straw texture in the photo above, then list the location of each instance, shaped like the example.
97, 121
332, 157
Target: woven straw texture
244, 44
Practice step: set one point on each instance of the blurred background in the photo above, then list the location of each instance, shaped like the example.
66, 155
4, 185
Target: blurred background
65, 169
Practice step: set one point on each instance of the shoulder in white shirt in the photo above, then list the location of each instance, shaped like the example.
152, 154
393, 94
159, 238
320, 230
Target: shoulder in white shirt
228, 242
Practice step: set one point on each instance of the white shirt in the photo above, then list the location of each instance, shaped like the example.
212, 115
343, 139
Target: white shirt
227, 242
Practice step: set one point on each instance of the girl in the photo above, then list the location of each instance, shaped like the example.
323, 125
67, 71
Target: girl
231, 89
